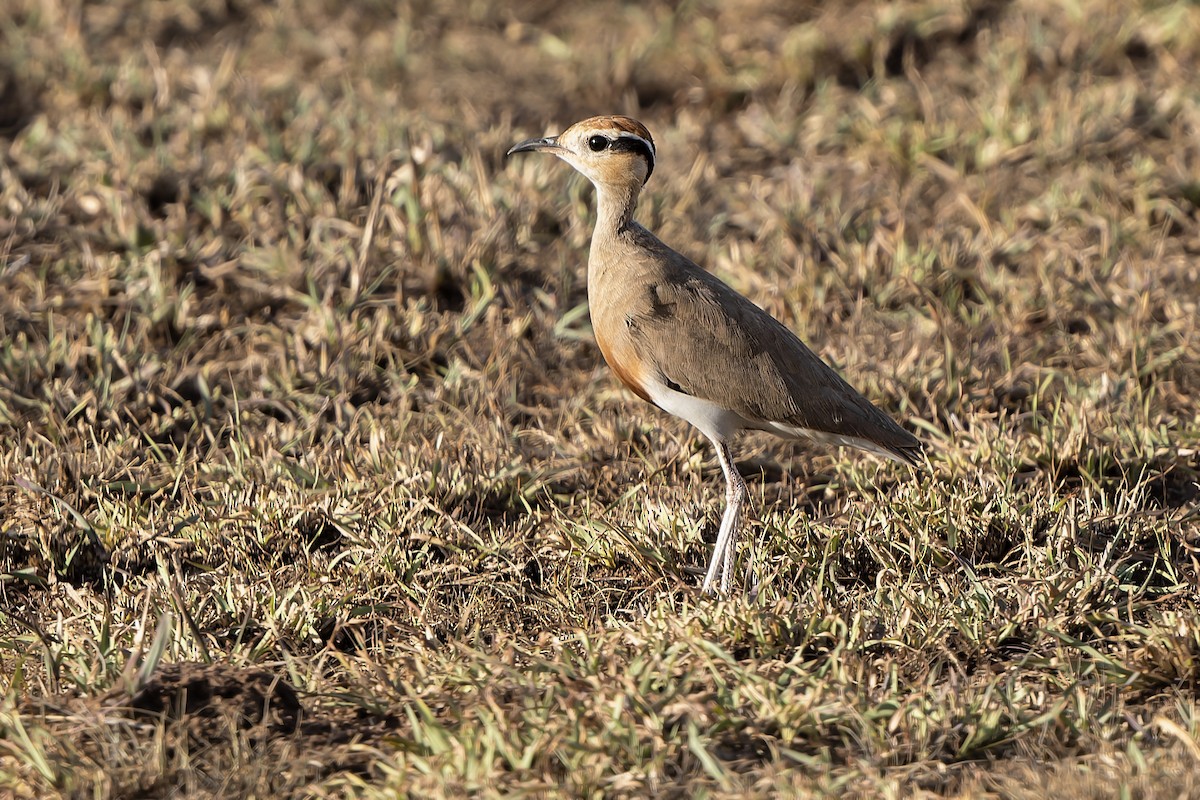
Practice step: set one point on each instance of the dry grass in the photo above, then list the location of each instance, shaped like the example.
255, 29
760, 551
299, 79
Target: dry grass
313, 482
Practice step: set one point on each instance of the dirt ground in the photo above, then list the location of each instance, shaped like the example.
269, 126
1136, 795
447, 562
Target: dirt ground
313, 481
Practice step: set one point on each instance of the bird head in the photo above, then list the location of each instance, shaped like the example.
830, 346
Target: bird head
609, 151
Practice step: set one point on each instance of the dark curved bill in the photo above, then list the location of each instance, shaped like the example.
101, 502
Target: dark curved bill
531, 145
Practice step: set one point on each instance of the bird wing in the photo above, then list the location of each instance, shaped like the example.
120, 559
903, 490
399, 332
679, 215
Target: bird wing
737, 355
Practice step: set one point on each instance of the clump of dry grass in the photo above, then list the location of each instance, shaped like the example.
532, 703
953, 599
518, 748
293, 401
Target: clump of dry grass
308, 457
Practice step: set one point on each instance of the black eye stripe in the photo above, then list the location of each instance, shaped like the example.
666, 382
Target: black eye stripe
632, 144
635, 144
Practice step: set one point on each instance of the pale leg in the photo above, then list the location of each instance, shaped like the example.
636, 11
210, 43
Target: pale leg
737, 498
717, 562
726, 547
730, 551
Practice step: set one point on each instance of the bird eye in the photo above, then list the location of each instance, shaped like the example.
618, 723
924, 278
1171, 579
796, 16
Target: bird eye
597, 143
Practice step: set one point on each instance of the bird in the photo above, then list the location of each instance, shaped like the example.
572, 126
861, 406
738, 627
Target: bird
679, 337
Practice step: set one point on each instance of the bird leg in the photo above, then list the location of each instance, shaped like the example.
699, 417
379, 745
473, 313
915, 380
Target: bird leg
717, 562
726, 546
731, 547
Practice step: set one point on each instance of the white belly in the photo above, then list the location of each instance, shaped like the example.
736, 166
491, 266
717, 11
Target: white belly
713, 420
719, 423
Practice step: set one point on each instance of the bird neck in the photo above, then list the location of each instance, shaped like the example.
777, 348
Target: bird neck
615, 204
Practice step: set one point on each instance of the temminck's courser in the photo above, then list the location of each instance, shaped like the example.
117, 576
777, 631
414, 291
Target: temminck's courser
684, 340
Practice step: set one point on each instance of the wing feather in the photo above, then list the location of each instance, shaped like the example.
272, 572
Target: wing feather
740, 356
